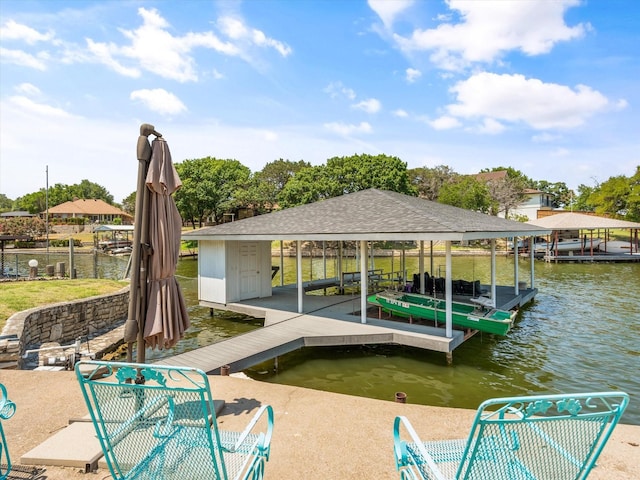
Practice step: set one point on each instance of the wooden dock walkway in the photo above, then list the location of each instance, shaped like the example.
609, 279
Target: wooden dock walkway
245, 350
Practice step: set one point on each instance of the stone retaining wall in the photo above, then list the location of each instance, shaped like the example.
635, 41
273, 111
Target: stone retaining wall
62, 323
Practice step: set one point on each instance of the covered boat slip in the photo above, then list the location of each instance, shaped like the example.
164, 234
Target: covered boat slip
593, 248
235, 262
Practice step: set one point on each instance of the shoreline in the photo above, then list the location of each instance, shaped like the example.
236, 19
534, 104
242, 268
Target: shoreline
317, 435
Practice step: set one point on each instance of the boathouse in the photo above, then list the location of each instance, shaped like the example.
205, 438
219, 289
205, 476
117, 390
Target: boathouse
595, 232
235, 270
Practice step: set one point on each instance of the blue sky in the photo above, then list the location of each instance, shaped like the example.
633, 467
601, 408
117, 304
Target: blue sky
547, 87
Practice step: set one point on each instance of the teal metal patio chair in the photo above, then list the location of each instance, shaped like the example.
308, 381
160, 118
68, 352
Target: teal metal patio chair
7, 409
551, 437
159, 423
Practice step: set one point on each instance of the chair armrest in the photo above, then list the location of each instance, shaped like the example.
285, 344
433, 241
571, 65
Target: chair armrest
7, 407
401, 453
265, 438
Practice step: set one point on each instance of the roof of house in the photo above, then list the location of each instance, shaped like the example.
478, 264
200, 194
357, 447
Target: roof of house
369, 215
17, 213
489, 176
579, 221
87, 207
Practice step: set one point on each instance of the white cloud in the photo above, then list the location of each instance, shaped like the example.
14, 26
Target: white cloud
444, 123
103, 53
348, 129
159, 100
514, 98
155, 49
545, 137
488, 29
42, 109
491, 127
12, 30
370, 105
337, 89
413, 74
388, 10
19, 57
28, 89
236, 30
400, 113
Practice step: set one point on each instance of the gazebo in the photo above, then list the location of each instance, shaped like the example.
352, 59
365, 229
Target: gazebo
234, 259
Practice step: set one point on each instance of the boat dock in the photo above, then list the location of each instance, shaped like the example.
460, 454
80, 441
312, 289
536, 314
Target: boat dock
596, 258
328, 320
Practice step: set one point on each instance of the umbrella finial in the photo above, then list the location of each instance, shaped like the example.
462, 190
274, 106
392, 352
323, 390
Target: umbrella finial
147, 129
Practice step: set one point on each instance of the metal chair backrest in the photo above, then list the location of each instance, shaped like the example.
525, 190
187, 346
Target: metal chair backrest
542, 437
158, 422
7, 409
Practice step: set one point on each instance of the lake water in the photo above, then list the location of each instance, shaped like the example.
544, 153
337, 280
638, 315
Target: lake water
582, 333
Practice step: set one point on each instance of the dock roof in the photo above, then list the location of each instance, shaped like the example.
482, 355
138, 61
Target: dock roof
369, 215
580, 221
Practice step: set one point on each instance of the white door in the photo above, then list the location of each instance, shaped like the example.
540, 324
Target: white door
249, 274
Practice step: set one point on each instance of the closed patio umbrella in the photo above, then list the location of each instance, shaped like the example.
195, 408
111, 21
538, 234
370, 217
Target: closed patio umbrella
157, 313
166, 317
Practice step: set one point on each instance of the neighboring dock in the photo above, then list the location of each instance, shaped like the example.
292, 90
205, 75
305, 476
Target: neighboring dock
597, 258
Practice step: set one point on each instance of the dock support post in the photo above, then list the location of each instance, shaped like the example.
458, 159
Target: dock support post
449, 358
364, 281
275, 364
299, 275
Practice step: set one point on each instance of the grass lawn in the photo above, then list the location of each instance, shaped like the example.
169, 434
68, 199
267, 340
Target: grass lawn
18, 296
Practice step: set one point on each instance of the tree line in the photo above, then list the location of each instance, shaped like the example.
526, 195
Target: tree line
213, 188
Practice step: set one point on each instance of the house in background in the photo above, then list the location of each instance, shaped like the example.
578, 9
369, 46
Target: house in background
534, 202
94, 211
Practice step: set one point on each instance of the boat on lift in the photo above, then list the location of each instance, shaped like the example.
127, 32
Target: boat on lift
481, 317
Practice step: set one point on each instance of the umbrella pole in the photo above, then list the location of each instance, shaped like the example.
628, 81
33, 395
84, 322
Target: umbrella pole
134, 328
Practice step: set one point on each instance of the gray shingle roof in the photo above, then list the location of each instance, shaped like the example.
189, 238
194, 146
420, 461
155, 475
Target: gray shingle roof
368, 215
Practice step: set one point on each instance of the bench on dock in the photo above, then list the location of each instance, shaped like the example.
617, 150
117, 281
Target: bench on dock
375, 277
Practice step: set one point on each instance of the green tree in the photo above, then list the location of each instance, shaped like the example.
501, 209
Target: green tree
428, 181
306, 186
34, 202
89, 190
562, 195
6, 204
210, 187
341, 175
611, 197
266, 185
506, 192
360, 172
581, 201
467, 193
129, 203
633, 202
59, 193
